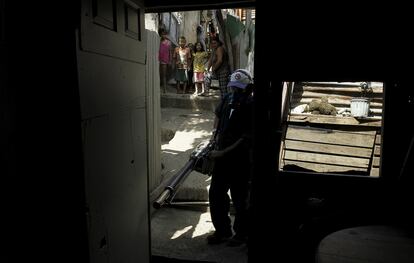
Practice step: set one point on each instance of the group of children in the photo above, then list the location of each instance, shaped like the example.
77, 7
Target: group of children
189, 62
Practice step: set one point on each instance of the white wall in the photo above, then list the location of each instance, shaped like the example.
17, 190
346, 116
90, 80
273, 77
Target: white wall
190, 23
152, 81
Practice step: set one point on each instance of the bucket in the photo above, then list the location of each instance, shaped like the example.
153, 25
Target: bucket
360, 107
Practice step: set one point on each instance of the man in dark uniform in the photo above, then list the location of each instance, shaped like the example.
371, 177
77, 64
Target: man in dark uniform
232, 157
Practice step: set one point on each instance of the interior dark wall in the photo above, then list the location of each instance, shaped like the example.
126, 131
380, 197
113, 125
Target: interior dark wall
7, 144
45, 185
326, 43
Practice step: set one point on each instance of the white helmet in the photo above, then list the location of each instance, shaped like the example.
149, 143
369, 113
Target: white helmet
240, 78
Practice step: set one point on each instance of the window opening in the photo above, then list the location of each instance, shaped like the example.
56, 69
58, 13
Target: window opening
332, 127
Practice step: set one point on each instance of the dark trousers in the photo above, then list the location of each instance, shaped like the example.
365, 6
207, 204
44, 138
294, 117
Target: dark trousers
234, 176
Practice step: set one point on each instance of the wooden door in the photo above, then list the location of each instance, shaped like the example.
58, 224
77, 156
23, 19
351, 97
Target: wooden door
111, 66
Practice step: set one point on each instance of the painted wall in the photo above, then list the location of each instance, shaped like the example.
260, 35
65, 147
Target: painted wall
152, 83
190, 23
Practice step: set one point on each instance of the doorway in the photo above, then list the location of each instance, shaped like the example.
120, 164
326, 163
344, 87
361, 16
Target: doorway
180, 227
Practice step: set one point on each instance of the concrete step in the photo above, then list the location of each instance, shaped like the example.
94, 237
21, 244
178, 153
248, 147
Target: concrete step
171, 99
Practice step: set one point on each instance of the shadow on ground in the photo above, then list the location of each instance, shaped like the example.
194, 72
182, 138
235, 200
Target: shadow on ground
181, 234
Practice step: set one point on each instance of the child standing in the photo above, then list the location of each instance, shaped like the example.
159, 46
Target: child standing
182, 58
164, 57
200, 58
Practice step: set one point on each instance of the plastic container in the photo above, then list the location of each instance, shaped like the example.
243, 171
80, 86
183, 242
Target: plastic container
360, 107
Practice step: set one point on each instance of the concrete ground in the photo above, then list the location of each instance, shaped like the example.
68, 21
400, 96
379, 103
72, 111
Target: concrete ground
190, 128
178, 232
190, 118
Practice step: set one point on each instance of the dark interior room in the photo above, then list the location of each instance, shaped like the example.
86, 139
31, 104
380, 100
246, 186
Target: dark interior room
45, 48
